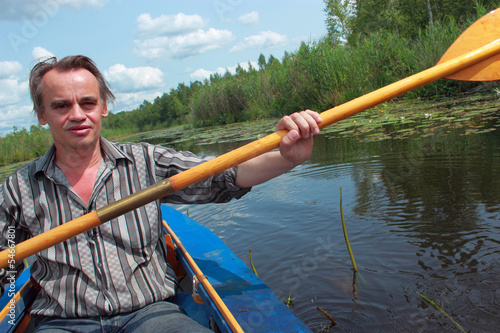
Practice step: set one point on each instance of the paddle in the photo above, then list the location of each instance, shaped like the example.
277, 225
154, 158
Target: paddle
466, 61
485, 30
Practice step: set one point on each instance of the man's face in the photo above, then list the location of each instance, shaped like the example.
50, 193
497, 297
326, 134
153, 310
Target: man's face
72, 109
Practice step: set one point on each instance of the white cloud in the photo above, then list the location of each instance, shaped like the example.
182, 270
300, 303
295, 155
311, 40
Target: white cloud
264, 40
40, 54
134, 79
9, 68
169, 24
177, 36
131, 100
36, 11
251, 18
202, 74
12, 91
18, 116
183, 46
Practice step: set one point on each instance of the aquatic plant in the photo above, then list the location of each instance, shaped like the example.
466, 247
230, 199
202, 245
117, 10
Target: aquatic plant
289, 300
441, 310
327, 315
354, 266
251, 263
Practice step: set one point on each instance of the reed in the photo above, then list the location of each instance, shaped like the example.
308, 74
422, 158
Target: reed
442, 311
327, 315
23, 145
251, 263
322, 74
116, 133
354, 266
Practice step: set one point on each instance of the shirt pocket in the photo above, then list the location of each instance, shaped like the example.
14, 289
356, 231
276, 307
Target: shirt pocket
134, 234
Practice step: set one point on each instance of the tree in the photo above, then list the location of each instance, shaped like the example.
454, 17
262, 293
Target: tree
178, 111
352, 20
431, 20
262, 62
240, 70
340, 16
272, 61
251, 69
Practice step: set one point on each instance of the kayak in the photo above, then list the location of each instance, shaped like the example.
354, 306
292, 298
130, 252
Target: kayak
246, 299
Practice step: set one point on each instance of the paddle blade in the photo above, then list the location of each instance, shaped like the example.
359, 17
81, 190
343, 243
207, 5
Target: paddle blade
482, 32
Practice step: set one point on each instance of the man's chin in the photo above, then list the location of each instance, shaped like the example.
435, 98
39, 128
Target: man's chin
85, 145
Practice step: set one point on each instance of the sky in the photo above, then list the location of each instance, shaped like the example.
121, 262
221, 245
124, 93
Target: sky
145, 48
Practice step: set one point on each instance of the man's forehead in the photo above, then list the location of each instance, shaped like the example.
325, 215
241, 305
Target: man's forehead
61, 80
75, 72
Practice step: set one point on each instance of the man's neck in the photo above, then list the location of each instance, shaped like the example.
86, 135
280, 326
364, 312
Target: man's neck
80, 169
78, 161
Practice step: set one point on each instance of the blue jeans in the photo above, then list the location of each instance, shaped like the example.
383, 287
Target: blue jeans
156, 317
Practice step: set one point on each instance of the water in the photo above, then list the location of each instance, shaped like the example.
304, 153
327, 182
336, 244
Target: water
422, 214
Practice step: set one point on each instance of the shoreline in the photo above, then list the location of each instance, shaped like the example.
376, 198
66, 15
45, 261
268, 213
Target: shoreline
396, 119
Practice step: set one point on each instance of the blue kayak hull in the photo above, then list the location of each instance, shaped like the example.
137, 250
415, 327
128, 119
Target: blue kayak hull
256, 307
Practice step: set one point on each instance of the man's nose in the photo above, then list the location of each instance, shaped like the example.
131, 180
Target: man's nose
76, 112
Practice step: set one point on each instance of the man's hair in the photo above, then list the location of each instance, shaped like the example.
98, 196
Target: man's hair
65, 65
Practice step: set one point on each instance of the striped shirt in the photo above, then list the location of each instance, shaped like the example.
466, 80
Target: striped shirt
119, 266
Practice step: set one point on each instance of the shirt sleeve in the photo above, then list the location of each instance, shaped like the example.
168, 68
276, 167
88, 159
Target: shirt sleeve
11, 232
218, 188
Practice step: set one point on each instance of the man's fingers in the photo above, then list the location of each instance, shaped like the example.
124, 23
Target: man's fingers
304, 122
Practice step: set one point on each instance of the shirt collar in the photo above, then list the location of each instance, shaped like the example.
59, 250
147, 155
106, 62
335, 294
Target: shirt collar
45, 164
112, 152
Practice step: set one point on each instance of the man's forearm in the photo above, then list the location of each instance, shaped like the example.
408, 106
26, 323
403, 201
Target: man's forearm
295, 148
261, 169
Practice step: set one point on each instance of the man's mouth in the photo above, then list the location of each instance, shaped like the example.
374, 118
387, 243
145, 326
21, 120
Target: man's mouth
79, 130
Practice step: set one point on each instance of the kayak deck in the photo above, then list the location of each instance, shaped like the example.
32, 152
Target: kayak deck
251, 302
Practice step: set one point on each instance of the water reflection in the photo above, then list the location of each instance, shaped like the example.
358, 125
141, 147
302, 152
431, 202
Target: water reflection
422, 216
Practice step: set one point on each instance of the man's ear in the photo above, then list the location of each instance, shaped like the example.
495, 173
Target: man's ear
105, 110
41, 118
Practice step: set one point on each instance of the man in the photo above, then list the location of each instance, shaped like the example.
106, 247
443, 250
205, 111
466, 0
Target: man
114, 276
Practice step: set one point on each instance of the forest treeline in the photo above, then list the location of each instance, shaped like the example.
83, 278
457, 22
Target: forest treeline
365, 49
355, 20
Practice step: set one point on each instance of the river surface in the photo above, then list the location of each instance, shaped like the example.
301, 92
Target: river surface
422, 215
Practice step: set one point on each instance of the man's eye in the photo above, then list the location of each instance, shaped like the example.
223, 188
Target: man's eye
89, 104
